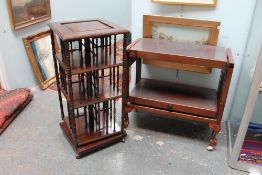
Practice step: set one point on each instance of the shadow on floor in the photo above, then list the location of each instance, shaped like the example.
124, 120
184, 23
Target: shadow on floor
170, 125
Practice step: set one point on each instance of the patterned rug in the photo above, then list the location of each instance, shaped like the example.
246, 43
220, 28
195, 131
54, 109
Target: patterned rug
251, 151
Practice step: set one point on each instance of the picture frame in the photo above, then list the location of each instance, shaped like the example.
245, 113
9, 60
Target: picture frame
39, 51
188, 30
25, 13
211, 3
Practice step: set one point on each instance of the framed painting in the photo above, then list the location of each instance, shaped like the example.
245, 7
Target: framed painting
188, 2
182, 30
39, 51
24, 13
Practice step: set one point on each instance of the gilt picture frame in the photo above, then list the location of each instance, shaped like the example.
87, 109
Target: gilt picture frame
25, 13
183, 30
211, 3
39, 51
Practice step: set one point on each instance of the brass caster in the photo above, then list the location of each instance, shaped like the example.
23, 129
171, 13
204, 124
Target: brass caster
213, 142
210, 148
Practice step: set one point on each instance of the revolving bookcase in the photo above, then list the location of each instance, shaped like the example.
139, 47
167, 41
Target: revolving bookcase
88, 75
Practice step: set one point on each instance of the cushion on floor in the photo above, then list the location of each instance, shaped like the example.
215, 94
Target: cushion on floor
2, 91
10, 101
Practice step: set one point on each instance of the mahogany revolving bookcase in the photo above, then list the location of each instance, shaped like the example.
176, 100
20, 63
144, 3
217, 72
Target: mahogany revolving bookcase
180, 100
88, 76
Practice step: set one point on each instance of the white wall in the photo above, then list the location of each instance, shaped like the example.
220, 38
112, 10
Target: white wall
235, 17
18, 69
3, 80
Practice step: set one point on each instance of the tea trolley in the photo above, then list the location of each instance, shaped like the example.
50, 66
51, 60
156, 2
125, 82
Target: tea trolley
179, 100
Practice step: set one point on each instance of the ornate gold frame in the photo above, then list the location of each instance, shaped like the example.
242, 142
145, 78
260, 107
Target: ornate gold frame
27, 23
212, 3
212, 26
27, 43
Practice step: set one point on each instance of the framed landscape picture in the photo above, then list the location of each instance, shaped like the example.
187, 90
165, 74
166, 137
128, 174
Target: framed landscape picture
188, 2
24, 13
39, 51
182, 30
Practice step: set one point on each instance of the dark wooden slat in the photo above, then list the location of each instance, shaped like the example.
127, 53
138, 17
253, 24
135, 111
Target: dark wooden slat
175, 97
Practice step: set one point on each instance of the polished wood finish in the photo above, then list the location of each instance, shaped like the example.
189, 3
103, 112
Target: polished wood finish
88, 76
91, 28
211, 26
202, 55
175, 97
179, 100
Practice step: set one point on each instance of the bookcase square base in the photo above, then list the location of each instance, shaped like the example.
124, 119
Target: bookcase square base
92, 145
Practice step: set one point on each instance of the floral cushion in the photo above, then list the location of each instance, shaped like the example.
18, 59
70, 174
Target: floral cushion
2, 91
10, 101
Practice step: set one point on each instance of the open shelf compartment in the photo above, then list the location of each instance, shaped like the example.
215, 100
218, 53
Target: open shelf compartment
78, 68
86, 135
106, 92
175, 97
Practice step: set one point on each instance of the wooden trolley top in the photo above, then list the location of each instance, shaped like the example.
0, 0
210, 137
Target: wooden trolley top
193, 54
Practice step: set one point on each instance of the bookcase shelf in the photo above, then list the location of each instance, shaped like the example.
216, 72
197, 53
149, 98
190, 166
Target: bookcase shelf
75, 63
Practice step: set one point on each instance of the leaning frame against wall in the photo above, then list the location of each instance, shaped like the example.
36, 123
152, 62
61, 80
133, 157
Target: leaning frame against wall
210, 27
39, 51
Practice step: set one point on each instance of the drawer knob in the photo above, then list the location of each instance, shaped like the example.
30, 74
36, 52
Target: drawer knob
170, 108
